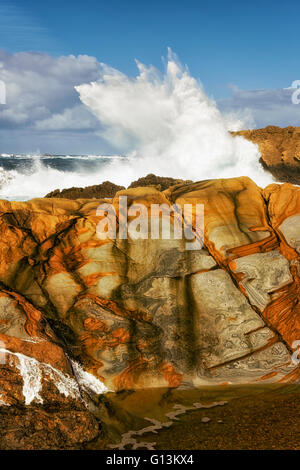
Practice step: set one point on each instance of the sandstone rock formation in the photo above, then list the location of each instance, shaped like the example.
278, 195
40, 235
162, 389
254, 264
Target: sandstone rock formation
41, 403
280, 150
161, 182
80, 315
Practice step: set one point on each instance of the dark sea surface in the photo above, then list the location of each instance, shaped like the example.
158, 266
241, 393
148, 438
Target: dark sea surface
207, 418
24, 177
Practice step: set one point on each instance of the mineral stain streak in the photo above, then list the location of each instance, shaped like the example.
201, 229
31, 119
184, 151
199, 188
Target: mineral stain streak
80, 316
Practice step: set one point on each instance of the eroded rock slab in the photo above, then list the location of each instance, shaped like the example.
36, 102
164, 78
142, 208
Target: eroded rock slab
148, 312
280, 150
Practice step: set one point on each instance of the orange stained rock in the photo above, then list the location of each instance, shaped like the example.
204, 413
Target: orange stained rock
267, 376
237, 223
94, 324
67, 258
143, 195
68, 251
129, 378
92, 279
40, 217
173, 378
89, 345
279, 148
15, 245
89, 207
283, 313
33, 316
92, 343
115, 308
43, 351
283, 202
144, 344
292, 377
42, 347
262, 246
286, 250
110, 341
227, 208
119, 336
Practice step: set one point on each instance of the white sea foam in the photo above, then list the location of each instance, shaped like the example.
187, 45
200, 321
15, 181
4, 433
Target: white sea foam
87, 381
32, 372
169, 125
41, 179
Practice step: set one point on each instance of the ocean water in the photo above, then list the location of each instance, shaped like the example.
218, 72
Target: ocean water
24, 177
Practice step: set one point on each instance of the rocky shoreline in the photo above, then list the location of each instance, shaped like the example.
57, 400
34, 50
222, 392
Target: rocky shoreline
280, 151
80, 316
280, 156
109, 190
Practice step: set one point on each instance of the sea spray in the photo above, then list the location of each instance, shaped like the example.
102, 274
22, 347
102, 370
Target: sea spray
169, 125
164, 123
41, 175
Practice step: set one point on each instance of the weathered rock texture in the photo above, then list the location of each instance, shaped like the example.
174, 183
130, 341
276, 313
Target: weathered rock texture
79, 315
280, 150
105, 189
109, 190
161, 182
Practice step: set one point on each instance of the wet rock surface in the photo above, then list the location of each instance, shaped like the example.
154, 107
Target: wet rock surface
80, 315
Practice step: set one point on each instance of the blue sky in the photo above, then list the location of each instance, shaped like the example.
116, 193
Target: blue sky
248, 45
251, 44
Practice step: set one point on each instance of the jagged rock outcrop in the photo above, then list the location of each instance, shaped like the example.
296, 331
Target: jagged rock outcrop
161, 182
105, 189
80, 315
109, 190
280, 150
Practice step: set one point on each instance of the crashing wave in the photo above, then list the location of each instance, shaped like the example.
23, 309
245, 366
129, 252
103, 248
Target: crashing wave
164, 123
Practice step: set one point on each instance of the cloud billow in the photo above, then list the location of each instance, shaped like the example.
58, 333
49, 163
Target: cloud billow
261, 108
41, 98
44, 111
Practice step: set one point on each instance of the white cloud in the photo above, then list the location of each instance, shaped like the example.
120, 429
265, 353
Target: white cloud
76, 118
42, 104
40, 90
263, 107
